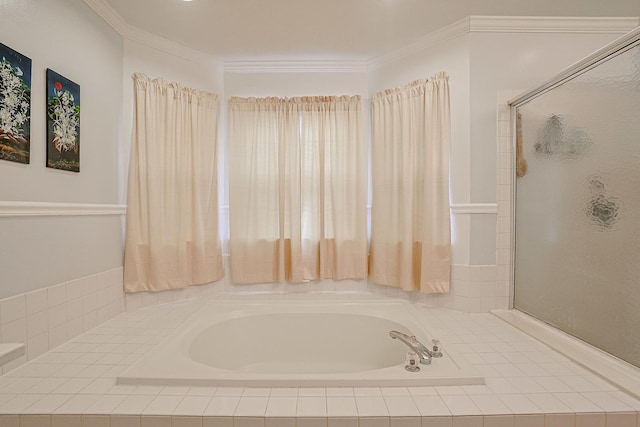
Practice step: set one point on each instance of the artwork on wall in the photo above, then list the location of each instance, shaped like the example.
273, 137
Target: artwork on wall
63, 123
15, 105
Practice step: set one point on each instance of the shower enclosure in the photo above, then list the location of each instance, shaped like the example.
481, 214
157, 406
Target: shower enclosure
577, 209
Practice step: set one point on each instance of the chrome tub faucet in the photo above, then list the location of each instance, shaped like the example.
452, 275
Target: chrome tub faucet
424, 354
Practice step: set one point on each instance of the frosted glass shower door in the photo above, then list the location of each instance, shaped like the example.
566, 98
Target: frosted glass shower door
577, 259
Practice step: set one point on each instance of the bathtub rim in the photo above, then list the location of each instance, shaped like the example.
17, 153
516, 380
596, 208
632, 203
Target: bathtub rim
610, 368
467, 373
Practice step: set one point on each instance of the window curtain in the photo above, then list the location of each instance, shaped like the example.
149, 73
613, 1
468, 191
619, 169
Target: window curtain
297, 189
410, 223
172, 210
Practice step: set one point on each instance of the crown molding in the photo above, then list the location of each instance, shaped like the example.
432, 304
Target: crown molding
552, 24
286, 66
153, 41
458, 28
509, 24
134, 34
500, 24
32, 209
109, 15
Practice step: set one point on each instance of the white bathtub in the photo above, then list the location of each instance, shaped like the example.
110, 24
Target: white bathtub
298, 343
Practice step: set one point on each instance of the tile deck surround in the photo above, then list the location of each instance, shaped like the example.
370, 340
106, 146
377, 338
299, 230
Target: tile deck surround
527, 385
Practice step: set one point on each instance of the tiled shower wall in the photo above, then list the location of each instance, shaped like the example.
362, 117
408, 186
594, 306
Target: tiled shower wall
46, 318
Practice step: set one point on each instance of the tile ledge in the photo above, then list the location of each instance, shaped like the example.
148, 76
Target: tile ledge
10, 351
622, 374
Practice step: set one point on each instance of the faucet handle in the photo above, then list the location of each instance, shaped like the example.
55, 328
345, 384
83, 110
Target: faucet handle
411, 361
436, 350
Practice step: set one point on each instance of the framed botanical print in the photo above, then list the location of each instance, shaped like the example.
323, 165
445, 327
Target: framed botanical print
15, 105
63, 123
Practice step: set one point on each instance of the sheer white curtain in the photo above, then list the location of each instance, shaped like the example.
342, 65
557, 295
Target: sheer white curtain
172, 209
297, 189
410, 224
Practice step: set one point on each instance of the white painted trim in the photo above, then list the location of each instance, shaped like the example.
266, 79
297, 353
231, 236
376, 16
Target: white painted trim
285, 66
110, 16
134, 34
474, 208
521, 24
458, 28
552, 24
615, 370
31, 209
156, 42
512, 24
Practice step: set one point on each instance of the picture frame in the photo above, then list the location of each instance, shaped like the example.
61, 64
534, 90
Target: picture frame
15, 106
63, 123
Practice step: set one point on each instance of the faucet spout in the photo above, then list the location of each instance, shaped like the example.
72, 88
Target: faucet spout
420, 349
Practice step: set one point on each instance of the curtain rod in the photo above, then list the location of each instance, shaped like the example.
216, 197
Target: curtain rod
615, 48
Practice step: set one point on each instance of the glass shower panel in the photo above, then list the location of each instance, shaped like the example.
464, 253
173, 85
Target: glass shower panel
577, 260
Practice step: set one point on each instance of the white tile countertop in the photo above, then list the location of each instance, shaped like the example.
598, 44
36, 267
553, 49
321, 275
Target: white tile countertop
527, 384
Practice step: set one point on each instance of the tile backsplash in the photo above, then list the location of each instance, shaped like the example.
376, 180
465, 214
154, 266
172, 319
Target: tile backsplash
48, 317
473, 290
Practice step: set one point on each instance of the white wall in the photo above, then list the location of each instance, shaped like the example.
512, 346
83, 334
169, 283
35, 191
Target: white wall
479, 64
508, 61
66, 36
452, 57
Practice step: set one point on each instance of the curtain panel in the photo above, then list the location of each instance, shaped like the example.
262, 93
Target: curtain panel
410, 220
172, 236
297, 189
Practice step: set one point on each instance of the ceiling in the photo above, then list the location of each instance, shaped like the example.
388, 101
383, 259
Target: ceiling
329, 29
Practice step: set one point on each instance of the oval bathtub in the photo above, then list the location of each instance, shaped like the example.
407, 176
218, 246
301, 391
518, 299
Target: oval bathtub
247, 342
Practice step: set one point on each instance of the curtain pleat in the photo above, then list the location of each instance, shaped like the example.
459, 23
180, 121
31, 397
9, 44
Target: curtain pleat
297, 189
172, 236
410, 221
